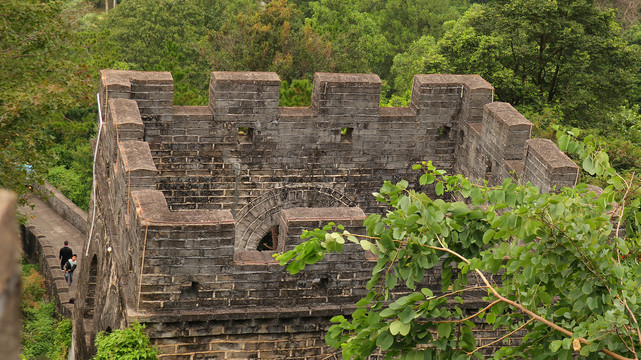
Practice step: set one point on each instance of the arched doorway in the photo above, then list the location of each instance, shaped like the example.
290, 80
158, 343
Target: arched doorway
257, 223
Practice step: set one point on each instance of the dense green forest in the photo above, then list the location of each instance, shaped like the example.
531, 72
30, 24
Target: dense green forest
574, 63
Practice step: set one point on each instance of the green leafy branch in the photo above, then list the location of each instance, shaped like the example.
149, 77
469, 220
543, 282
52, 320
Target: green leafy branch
541, 246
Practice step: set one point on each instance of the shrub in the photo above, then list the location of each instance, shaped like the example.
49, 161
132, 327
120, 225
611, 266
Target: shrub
75, 185
126, 344
33, 287
44, 334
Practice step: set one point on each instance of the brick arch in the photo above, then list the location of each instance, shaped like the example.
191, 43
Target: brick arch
257, 218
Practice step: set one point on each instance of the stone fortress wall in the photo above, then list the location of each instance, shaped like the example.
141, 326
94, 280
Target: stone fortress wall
186, 196
10, 289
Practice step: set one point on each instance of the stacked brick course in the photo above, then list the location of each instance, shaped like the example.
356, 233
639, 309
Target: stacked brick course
185, 197
10, 295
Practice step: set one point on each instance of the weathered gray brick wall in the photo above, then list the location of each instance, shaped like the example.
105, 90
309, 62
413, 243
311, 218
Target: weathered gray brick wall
10, 296
499, 147
204, 163
546, 166
496, 144
196, 268
254, 334
185, 194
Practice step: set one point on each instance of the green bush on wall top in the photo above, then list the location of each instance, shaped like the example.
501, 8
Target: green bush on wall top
129, 343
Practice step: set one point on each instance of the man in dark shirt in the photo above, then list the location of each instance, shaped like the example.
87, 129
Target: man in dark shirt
65, 255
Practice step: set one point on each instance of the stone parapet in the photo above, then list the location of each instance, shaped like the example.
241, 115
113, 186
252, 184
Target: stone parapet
499, 147
547, 167
247, 98
10, 295
505, 132
346, 95
153, 91
126, 120
152, 210
180, 247
63, 206
136, 162
442, 95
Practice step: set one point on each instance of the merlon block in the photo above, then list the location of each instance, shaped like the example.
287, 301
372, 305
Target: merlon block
323, 214
508, 115
471, 82
136, 157
151, 209
554, 160
356, 80
126, 119
333, 90
246, 77
122, 79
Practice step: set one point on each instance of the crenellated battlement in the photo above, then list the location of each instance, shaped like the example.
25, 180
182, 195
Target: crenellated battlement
194, 200
451, 121
242, 160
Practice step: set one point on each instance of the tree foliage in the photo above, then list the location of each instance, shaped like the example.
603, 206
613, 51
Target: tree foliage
546, 52
45, 335
126, 344
567, 262
357, 40
274, 38
71, 164
38, 81
403, 22
164, 36
565, 54
296, 93
422, 57
627, 11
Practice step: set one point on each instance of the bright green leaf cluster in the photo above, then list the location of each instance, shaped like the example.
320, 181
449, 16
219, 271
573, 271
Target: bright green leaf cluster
560, 257
127, 344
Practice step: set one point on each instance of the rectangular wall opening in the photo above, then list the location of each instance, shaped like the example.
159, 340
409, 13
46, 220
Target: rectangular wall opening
346, 134
245, 135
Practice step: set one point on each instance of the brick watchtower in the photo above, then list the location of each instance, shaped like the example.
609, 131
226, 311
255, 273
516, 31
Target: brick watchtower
191, 202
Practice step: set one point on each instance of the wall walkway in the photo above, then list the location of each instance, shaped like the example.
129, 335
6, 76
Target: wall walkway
49, 225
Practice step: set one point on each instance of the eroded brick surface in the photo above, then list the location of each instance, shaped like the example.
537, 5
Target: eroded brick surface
186, 197
10, 295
